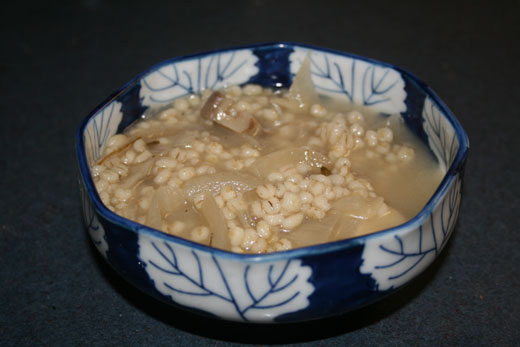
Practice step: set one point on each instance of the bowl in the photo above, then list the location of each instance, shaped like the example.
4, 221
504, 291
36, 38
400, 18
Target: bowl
290, 286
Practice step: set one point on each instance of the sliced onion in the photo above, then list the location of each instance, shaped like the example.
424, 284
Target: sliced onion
129, 212
314, 231
359, 207
170, 199
302, 89
153, 217
292, 156
216, 221
183, 138
346, 227
245, 218
215, 182
389, 220
289, 104
117, 151
217, 108
139, 172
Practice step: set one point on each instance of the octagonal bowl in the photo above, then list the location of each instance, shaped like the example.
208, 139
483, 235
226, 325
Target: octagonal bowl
289, 286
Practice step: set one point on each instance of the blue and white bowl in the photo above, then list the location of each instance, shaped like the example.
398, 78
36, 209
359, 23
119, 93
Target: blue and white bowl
299, 284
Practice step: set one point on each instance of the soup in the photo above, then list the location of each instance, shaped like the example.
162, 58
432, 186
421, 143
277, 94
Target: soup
254, 170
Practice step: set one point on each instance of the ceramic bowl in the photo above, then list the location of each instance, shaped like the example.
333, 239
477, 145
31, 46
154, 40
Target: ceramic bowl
300, 284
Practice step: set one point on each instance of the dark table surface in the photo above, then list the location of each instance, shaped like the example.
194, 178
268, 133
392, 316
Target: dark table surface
59, 60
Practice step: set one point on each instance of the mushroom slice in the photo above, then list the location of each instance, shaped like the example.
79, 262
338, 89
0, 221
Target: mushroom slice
219, 109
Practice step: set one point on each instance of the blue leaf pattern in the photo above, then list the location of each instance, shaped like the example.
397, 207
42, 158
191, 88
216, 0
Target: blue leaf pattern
441, 135
181, 78
99, 129
94, 228
243, 291
358, 81
97, 132
400, 256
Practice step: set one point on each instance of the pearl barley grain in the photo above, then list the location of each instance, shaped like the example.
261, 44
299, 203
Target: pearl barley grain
259, 246
291, 202
236, 236
109, 176
265, 191
139, 145
371, 138
186, 173
263, 229
355, 117
318, 111
405, 154
123, 194
143, 156
166, 162
177, 227
117, 141
181, 105
200, 233
385, 135
292, 221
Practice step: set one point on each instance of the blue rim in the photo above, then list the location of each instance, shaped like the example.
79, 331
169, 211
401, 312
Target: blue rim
413, 223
